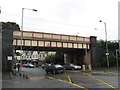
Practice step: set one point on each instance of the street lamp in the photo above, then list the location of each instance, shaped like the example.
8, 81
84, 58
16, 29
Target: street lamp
22, 29
117, 57
106, 43
23, 14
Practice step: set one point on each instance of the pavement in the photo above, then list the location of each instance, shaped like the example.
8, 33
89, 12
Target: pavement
34, 80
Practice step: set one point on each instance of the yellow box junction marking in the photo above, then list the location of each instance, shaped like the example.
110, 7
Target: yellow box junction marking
69, 79
101, 80
69, 83
94, 83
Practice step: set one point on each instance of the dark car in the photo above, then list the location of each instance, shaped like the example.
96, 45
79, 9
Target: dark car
71, 67
45, 65
55, 69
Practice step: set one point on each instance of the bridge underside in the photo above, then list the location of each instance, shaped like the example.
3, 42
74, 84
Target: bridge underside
75, 56
29, 48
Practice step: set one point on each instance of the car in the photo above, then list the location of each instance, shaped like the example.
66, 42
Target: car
24, 65
30, 65
45, 65
71, 67
55, 69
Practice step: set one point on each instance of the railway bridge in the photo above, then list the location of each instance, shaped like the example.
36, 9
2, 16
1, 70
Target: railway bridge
76, 49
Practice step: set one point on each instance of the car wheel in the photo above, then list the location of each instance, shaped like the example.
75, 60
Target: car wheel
73, 68
46, 71
54, 72
62, 72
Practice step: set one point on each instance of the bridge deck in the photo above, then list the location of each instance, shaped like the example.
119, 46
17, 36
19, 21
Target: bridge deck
40, 39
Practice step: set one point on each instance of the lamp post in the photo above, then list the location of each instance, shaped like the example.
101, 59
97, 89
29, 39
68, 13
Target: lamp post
106, 43
117, 57
22, 30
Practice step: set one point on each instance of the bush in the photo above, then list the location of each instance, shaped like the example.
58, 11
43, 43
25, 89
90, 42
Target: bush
103, 61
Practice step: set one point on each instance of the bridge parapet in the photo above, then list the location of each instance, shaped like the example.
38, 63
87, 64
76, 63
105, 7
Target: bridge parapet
40, 39
50, 36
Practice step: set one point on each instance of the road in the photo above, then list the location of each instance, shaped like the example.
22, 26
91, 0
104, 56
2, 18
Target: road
37, 78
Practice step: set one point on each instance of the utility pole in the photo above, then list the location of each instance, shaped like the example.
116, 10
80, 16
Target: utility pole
106, 45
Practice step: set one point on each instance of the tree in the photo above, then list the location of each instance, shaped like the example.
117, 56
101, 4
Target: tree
50, 59
59, 58
112, 46
10, 25
56, 59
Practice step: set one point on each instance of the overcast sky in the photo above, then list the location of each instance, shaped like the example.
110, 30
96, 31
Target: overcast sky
71, 17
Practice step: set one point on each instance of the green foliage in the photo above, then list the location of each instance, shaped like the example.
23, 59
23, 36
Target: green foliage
10, 25
59, 58
49, 59
112, 46
56, 59
112, 61
101, 43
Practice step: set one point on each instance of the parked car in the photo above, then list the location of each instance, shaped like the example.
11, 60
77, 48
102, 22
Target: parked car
30, 65
54, 69
24, 65
71, 67
45, 65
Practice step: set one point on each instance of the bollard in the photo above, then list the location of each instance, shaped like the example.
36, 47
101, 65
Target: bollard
83, 67
89, 67
26, 77
20, 74
23, 75
10, 75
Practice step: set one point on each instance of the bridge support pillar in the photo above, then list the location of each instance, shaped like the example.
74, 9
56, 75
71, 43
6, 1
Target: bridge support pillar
87, 59
75, 57
7, 50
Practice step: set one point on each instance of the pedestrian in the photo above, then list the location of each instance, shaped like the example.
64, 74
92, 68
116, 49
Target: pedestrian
18, 66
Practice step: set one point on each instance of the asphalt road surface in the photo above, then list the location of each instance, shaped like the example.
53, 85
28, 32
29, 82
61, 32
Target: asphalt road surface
37, 78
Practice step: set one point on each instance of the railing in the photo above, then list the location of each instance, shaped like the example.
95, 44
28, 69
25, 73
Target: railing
50, 36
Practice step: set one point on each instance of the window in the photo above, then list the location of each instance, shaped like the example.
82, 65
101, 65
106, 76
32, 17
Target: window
27, 34
27, 42
34, 43
40, 43
70, 45
64, 44
38, 35
53, 44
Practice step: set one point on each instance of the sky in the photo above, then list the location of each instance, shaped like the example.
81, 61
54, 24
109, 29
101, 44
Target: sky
71, 17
